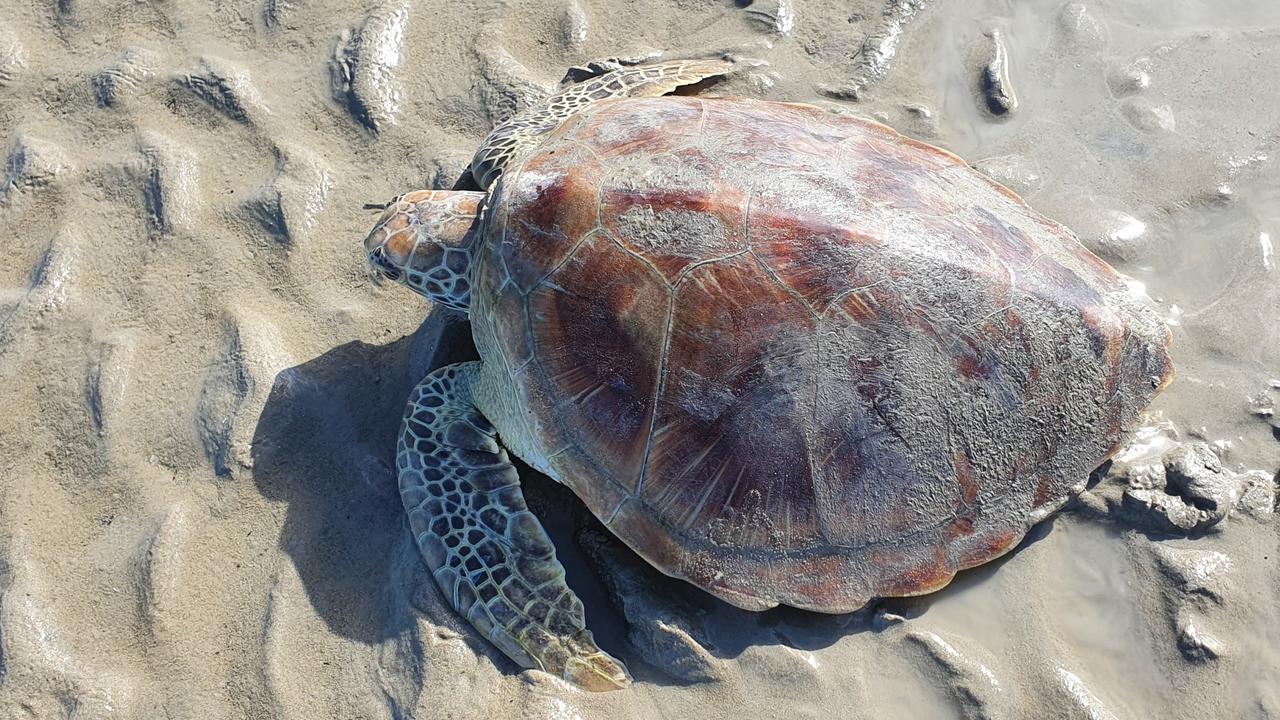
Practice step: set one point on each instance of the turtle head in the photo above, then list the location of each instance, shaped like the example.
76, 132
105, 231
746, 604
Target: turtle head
424, 240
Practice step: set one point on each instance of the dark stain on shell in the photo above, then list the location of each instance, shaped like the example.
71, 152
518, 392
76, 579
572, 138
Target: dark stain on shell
595, 338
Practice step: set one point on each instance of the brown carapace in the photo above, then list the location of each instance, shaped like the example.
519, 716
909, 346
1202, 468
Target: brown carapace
794, 357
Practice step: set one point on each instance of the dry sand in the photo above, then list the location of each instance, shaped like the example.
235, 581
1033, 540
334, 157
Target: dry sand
200, 388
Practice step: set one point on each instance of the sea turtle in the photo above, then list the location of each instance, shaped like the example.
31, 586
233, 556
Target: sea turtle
783, 353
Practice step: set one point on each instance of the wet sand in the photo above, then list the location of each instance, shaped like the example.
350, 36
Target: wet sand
201, 387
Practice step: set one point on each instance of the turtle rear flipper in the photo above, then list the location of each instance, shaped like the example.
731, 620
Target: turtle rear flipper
488, 553
523, 130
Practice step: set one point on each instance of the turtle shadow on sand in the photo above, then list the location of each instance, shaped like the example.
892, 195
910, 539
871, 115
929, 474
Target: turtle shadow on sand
325, 445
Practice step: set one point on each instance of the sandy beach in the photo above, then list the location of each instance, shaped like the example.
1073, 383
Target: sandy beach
200, 386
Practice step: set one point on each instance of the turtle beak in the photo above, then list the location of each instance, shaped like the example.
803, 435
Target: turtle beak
381, 267
390, 244
375, 272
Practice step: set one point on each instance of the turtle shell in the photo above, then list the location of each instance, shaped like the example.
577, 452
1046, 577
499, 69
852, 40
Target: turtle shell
795, 357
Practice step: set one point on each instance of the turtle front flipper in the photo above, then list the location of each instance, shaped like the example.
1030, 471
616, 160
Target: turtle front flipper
489, 554
523, 130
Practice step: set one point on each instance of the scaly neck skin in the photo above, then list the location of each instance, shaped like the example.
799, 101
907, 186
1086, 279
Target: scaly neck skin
424, 240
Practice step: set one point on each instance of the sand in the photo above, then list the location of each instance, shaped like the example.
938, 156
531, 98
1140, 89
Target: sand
200, 388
